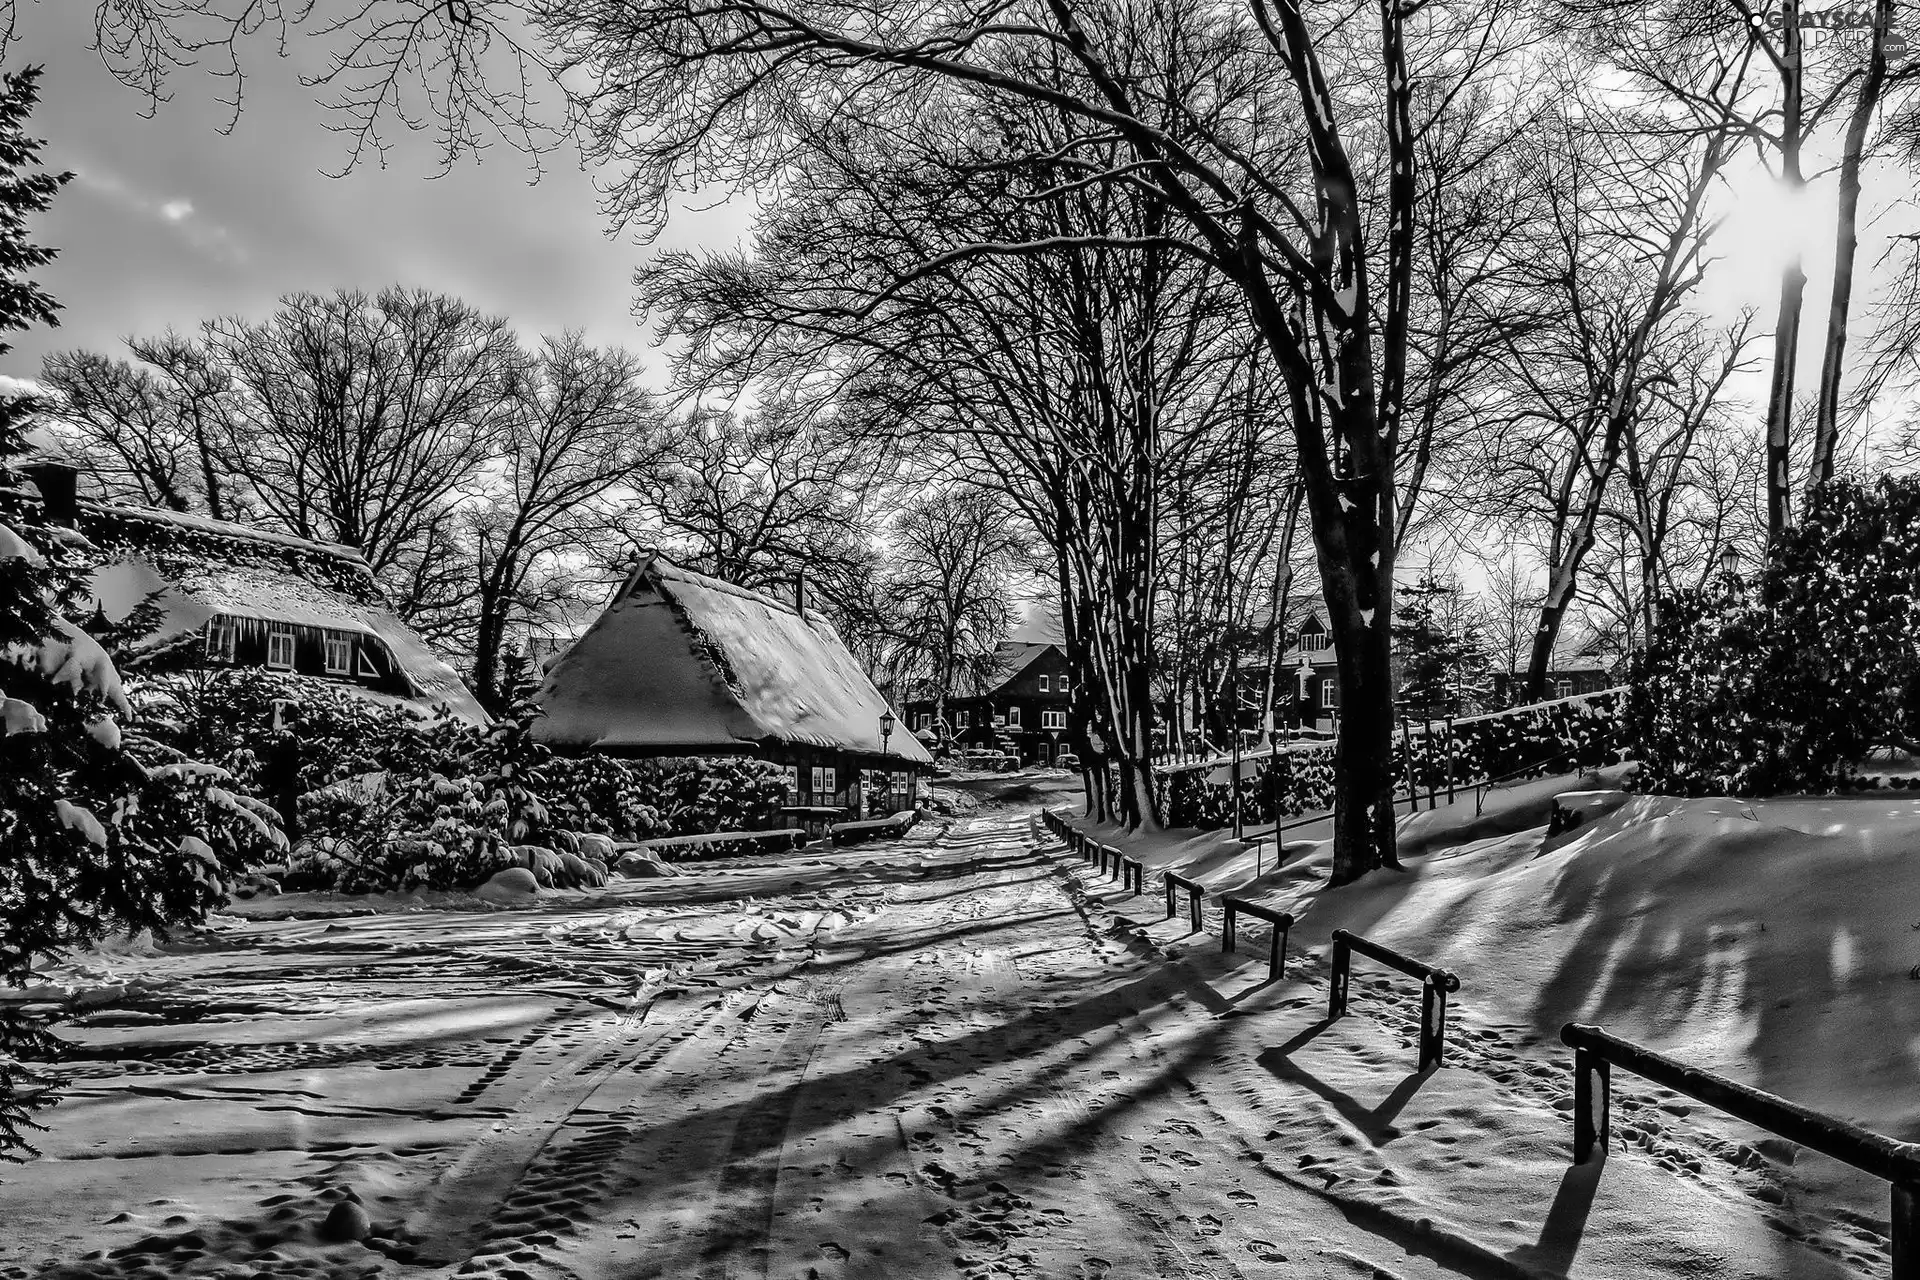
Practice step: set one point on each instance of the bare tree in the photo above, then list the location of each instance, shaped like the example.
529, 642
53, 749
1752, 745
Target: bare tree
764, 498
581, 430
946, 593
1619, 243
359, 418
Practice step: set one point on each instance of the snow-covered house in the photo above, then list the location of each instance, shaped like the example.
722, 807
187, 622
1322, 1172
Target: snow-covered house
1017, 702
687, 665
235, 596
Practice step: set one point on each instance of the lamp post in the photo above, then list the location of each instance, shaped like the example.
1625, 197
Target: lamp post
886, 732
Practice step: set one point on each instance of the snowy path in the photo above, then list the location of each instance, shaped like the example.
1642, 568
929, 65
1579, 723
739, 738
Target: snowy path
956, 1061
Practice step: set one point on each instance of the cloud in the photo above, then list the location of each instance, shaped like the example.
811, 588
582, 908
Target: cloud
209, 238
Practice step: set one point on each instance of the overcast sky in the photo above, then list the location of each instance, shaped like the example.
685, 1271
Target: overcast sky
168, 222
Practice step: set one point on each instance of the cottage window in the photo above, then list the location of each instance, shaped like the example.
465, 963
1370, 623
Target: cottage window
926, 720
819, 776
1563, 688
833, 782
280, 649
1053, 719
1044, 684
223, 639
960, 719
1314, 641
1013, 714
366, 667
1329, 692
793, 781
339, 653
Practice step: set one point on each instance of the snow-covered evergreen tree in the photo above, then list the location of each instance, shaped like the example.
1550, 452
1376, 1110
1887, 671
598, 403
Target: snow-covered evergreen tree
1442, 650
92, 836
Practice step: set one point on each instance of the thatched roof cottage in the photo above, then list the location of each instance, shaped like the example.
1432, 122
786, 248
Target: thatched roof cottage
683, 664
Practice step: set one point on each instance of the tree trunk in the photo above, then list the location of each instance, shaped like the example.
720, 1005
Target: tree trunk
1846, 243
1793, 287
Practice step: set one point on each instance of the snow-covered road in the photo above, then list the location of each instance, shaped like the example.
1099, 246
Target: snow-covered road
958, 1058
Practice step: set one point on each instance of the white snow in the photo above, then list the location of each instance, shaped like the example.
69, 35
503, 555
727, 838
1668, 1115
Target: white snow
80, 818
74, 659
883, 1060
15, 547
20, 716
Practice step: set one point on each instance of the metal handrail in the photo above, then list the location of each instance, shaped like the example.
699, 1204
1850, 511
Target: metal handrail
1282, 922
1171, 880
1435, 984
1897, 1163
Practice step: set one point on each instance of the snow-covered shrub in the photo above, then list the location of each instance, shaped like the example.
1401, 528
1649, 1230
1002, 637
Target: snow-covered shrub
222, 715
722, 793
601, 794
1787, 686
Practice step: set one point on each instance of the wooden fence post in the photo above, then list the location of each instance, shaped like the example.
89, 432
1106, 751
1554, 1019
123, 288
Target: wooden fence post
1337, 986
1906, 1232
1433, 1023
1592, 1089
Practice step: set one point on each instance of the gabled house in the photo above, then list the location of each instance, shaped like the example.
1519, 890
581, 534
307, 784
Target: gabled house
1018, 705
683, 664
232, 596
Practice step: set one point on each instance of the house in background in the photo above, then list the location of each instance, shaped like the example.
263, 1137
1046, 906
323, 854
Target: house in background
681, 664
1582, 676
1309, 689
1019, 705
232, 596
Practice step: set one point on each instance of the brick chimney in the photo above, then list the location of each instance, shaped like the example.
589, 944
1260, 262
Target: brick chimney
59, 486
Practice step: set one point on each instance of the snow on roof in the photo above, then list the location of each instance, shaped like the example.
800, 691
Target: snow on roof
113, 512
683, 662
273, 594
1010, 659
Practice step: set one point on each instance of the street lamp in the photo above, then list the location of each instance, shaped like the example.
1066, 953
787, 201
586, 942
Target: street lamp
1730, 570
886, 731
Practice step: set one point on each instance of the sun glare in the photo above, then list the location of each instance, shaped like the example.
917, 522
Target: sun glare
1766, 225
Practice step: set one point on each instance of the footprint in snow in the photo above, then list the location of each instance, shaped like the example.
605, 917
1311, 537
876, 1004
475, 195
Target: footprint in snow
831, 1250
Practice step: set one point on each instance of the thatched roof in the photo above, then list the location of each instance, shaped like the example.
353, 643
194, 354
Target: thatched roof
683, 663
203, 568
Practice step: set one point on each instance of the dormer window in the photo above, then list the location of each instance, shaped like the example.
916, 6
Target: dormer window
339, 654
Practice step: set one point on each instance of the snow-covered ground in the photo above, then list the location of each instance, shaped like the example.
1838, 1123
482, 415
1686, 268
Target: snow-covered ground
964, 1057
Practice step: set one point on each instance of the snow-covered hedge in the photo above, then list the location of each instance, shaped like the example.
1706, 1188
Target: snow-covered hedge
1573, 733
